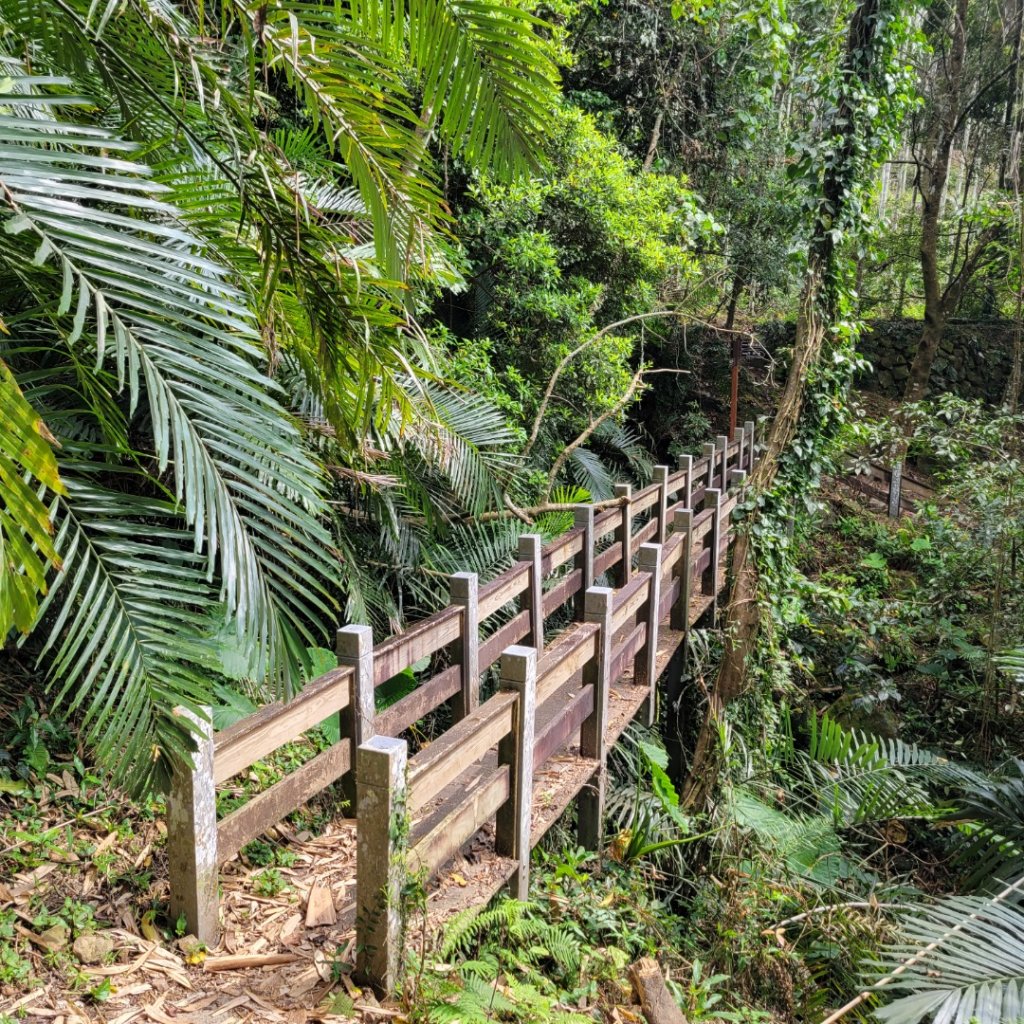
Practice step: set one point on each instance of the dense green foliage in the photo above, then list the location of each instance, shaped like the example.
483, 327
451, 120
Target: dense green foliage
305, 307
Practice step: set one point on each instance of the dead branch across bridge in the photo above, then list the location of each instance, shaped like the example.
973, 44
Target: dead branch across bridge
565, 698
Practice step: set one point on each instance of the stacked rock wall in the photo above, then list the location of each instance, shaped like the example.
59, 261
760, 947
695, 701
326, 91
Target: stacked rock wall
973, 359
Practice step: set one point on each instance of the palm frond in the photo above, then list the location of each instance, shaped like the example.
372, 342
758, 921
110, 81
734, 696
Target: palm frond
858, 778
487, 78
961, 959
26, 542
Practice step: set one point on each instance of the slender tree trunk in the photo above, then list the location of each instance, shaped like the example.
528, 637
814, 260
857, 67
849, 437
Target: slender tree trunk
934, 178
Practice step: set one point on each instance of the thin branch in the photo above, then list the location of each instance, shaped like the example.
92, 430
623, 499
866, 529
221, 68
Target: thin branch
583, 346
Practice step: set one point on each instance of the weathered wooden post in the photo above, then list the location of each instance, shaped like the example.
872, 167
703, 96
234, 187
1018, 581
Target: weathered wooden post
685, 464
751, 445
512, 829
645, 665
583, 518
624, 533
722, 444
713, 501
661, 475
463, 590
739, 435
382, 841
680, 614
709, 454
737, 478
597, 674
533, 600
192, 835
895, 489
354, 646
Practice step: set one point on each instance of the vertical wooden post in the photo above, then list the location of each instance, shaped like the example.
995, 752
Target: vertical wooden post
709, 454
895, 490
381, 846
661, 479
533, 600
713, 501
645, 671
686, 467
751, 445
722, 444
583, 518
192, 836
354, 645
624, 533
740, 436
463, 589
737, 478
596, 673
680, 614
512, 829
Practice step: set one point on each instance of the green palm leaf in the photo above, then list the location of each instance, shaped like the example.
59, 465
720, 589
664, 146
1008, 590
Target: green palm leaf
26, 544
966, 963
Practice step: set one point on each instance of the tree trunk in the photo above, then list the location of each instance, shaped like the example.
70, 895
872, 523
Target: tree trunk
934, 175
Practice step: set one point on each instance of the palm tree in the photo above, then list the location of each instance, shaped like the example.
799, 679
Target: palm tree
211, 214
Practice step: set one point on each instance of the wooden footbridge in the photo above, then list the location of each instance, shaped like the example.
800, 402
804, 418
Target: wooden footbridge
573, 693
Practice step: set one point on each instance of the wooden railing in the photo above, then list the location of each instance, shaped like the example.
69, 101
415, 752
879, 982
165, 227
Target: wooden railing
661, 547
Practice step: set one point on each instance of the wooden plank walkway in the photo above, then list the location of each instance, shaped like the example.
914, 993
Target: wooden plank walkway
508, 767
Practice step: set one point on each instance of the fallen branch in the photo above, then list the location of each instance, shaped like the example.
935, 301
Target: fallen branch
242, 962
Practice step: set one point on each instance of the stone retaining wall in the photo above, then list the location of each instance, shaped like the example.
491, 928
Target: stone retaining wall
973, 359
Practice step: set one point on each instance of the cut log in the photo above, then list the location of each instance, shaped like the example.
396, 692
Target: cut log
655, 999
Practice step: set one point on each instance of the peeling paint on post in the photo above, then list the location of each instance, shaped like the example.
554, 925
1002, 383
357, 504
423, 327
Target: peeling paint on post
709, 454
512, 828
192, 836
685, 464
354, 645
530, 547
661, 475
596, 673
680, 614
645, 666
624, 533
381, 850
722, 444
463, 590
583, 519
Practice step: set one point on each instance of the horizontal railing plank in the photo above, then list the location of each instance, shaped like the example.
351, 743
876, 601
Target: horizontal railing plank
604, 560
560, 550
558, 730
562, 591
269, 807
445, 839
630, 599
625, 652
403, 650
261, 733
502, 589
511, 633
413, 706
564, 658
